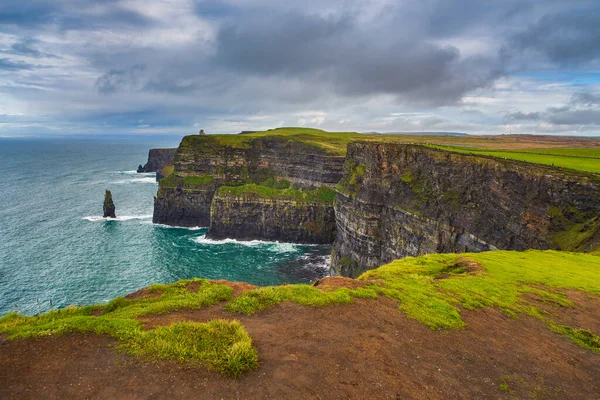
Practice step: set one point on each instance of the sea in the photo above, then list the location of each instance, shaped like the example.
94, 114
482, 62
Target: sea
56, 249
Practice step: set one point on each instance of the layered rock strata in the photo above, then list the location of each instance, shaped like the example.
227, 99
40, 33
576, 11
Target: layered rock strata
249, 216
400, 200
203, 163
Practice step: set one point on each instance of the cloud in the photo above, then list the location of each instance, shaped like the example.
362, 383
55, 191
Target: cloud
382, 65
352, 59
569, 37
520, 116
10, 65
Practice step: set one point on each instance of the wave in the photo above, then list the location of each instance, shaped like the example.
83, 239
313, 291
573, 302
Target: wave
134, 172
317, 262
273, 246
149, 179
189, 228
96, 218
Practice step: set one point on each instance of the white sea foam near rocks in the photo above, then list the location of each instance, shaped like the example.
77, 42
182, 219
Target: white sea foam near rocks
273, 246
189, 228
96, 218
316, 262
146, 179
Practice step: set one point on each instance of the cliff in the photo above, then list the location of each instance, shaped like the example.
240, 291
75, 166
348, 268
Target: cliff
157, 159
399, 200
203, 163
250, 212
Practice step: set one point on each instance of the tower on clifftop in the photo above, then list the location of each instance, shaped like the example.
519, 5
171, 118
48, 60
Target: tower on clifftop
201, 132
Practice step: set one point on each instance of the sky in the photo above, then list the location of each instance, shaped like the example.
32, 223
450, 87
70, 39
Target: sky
73, 67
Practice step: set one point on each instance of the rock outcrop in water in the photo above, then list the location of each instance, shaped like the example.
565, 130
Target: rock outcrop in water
204, 163
109, 206
405, 200
157, 159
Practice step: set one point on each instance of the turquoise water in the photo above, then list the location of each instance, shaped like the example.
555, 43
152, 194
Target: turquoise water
55, 245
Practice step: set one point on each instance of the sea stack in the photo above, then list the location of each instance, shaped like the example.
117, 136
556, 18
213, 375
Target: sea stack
109, 206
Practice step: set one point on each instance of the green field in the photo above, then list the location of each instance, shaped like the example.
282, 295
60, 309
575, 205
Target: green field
587, 160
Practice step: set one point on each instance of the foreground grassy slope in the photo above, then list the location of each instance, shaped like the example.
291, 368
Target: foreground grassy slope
434, 290
220, 345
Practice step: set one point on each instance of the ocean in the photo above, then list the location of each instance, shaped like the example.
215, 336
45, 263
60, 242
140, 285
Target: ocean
57, 250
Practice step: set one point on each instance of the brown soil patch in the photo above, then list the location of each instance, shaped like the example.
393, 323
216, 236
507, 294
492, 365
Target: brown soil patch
144, 293
368, 349
336, 282
585, 315
238, 287
463, 265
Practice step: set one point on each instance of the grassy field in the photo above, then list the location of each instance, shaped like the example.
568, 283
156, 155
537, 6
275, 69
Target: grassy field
433, 289
587, 160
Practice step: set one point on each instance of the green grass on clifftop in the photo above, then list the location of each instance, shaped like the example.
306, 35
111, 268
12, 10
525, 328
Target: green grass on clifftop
587, 160
224, 346
432, 289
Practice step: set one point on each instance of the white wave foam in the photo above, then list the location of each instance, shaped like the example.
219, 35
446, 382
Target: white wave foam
189, 228
96, 218
273, 246
134, 172
138, 180
319, 262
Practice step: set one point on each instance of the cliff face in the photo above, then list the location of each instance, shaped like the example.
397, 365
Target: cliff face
184, 199
402, 200
248, 217
241, 159
157, 159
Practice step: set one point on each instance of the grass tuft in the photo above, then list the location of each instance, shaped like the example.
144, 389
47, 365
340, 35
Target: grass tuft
221, 345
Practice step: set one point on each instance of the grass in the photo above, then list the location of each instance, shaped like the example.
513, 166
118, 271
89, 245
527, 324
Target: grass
577, 159
188, 182
221, 345
432, 289
257, 300
323, 194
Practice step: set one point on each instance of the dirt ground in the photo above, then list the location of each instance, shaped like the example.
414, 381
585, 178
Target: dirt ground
365, 350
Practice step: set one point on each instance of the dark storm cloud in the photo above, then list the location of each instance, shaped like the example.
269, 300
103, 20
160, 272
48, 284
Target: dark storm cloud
355, 60
569, 37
